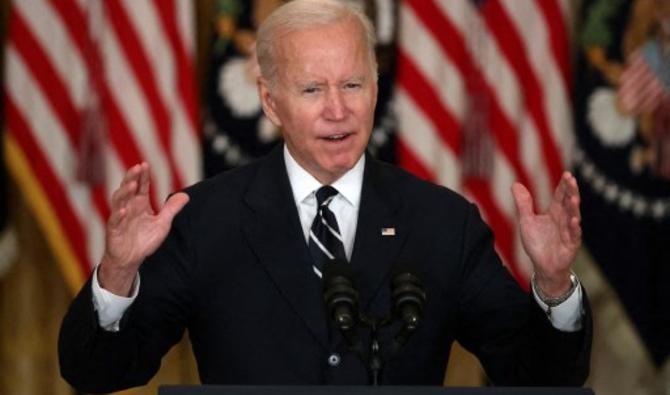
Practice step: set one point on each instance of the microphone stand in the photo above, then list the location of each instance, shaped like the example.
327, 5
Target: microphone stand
376, 362
342, 301
373, 360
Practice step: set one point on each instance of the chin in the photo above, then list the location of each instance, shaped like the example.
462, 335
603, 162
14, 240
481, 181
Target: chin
344, 163
336, 169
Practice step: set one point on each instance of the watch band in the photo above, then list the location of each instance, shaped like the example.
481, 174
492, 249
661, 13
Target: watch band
555, 301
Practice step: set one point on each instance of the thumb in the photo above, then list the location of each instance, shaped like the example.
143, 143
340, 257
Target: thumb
522, 200
172, 206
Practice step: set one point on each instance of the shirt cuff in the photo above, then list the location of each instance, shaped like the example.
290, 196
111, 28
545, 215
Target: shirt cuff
567, 316
111, 307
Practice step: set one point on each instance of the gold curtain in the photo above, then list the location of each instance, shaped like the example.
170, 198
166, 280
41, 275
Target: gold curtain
33, 301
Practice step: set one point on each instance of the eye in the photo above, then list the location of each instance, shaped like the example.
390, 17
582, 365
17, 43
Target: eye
352, 85
310, 90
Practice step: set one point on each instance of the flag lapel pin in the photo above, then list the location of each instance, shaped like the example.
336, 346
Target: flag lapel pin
388, 231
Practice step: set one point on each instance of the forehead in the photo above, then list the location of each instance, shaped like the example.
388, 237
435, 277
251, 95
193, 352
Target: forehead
337, 48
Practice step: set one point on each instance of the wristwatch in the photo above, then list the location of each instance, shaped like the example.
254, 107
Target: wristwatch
555, 301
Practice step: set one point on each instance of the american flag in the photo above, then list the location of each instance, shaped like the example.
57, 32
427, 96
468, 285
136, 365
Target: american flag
483, 100
641, 90
91, 88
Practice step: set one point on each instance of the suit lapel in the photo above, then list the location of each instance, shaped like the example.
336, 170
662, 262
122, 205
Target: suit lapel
379, 233
276, 237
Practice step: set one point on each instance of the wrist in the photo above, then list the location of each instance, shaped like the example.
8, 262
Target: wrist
115, 278
555, 292
552, 284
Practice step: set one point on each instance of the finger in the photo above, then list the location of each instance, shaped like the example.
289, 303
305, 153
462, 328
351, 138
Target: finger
571, 184
571, 234
561, 190
121, 196
565, 230
572, 199
131, 175
576, 230
128, 186
573, 187
573, 207
144, 179
116, 217
522, 200
172, 206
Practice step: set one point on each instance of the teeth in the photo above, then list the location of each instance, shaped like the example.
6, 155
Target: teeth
336, 137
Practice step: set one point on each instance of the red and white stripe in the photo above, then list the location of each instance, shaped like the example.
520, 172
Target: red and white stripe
137, 58
513, 55
641, 91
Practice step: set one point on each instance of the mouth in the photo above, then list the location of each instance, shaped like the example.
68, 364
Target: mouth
337, 137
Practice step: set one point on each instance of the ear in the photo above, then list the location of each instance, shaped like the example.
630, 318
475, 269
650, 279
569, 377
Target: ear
375, 94
268, 101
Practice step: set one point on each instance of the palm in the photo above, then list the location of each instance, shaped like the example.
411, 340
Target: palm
551, 239
134, 230
544, 241
138, 235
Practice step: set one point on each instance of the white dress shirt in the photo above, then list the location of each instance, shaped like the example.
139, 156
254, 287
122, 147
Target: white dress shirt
110, 307
344, 205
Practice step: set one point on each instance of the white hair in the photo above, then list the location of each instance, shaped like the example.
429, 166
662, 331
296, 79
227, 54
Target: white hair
305, 14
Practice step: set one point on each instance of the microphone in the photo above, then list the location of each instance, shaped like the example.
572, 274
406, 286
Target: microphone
340, 295
408, 296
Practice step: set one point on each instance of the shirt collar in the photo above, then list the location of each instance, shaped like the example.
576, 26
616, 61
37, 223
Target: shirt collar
303, 184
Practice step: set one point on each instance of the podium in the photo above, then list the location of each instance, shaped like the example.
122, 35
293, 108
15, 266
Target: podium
363, 390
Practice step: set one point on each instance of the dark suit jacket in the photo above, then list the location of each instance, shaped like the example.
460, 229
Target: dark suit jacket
236, 272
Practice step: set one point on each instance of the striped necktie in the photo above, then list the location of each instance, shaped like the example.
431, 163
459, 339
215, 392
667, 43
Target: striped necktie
325, 240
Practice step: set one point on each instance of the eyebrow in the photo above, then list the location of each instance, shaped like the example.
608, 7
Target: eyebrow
303, 84
307, 83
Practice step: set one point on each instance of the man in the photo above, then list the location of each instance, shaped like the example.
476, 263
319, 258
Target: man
240, 264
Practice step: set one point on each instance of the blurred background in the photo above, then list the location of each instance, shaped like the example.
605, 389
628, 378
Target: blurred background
474, 94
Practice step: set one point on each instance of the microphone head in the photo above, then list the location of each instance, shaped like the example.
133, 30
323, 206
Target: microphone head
408, 295
339, 294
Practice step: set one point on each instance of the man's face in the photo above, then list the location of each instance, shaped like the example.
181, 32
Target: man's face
324, 97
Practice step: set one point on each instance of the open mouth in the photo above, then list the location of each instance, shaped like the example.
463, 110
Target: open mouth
337, 137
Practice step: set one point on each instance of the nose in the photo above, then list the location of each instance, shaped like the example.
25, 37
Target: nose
335, 106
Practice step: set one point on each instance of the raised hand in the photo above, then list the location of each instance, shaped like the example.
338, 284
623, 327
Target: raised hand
551, 239
134, 230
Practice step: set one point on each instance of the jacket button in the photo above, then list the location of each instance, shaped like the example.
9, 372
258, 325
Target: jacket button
334, 359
